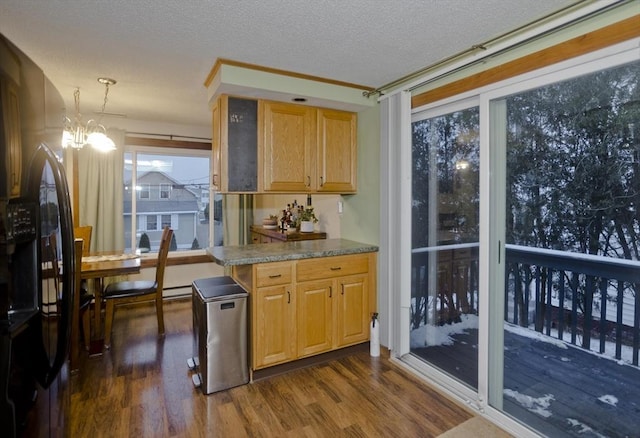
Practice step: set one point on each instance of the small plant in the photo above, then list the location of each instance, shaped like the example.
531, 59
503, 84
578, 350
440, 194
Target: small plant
307, 214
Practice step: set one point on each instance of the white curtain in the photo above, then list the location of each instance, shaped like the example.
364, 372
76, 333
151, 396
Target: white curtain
395, 221
237, 212
100, 181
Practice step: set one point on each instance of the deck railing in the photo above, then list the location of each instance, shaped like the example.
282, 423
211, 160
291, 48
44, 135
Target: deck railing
577, 298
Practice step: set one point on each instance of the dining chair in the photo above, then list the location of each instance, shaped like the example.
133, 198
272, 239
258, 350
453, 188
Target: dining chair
84, 232
81, 304
49, 251
124, 292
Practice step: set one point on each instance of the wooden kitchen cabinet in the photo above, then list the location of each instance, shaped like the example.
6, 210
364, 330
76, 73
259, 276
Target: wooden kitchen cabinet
11, 153
314, 306
288, 155
301, 308
273, 315
216, 145
337, 151
307, 149
234, 145
352, 310
333, 303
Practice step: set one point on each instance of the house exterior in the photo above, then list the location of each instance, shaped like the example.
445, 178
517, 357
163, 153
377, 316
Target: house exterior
160, 202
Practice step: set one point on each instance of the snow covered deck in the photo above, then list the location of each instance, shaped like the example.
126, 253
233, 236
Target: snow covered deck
557, 388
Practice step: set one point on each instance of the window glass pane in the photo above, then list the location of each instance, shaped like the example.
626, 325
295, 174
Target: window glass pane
173, 191
572, 192
152, 222
166, 220
145, 191
165, 190
444, 279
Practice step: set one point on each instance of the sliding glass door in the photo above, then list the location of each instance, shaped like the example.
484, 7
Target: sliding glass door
525, 248
570, 297
444, 274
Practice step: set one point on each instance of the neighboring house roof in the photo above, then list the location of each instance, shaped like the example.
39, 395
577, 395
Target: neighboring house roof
162, 206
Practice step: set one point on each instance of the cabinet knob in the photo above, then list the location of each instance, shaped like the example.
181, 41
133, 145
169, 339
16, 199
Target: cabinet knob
288, 297
336, 268
321, 181
275, 276
330, 291
308, 181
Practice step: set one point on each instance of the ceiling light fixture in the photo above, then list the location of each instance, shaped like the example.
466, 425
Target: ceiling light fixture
77, 134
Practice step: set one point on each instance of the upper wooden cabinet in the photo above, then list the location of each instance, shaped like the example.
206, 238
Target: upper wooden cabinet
288, 155
264, 146
234, 144
307, 149
10, 139
337, 151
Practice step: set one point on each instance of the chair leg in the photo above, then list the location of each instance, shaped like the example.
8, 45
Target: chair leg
86, 327
108, 323
160, 314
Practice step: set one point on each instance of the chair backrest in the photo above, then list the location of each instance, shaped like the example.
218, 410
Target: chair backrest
84, 233
163, 252
49, 251
77, 255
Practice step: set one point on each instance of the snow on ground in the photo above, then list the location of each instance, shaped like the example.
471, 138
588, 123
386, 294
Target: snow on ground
583, 428
431, 335
538, 405
609, 399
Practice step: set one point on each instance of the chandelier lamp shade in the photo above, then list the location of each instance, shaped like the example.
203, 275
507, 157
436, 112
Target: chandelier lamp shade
77, 134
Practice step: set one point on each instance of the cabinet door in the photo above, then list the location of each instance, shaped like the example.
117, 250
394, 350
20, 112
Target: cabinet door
216, 169
352, 313
10, 128
337, 151
274, 326
314, 316
287, 155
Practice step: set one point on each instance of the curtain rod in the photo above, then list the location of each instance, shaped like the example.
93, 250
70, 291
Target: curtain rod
169, 136
484, 46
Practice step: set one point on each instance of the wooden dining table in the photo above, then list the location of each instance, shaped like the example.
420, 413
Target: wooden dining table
97, 267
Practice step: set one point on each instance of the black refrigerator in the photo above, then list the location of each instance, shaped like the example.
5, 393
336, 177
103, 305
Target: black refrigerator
36, 254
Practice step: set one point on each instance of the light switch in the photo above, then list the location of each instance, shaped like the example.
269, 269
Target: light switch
339, 207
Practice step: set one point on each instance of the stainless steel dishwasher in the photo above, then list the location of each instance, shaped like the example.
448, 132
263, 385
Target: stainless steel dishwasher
220, 334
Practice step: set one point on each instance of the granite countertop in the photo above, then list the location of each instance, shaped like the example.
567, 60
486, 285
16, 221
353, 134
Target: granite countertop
278, 252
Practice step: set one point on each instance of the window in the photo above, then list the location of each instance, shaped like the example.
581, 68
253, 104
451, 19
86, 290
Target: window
144, 191
166, 221
171, 186
152, 222
165, 190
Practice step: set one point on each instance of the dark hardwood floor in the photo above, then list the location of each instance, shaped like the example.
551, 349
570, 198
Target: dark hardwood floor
142, 388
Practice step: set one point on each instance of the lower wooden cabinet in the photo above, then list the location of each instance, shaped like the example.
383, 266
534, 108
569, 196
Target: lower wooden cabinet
314, 317
274, 326
352, 310
332, 314
307, 307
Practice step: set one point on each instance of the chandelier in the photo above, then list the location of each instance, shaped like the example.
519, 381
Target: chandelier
77, 134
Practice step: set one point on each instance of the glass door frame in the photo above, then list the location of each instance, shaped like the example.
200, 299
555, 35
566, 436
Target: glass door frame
488, 399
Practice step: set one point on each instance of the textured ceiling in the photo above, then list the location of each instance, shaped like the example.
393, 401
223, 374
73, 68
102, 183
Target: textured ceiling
161, 51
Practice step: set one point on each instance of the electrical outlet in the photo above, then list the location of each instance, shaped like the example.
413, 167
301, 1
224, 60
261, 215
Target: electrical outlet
339, 207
